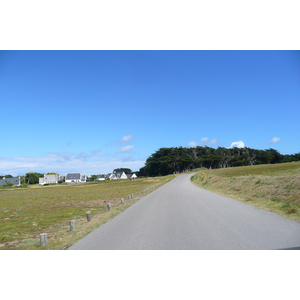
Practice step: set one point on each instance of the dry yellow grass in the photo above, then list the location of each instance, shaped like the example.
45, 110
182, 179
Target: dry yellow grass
275, 188
27, 212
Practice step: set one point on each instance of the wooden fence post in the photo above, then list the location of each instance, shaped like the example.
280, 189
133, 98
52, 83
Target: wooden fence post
44, 239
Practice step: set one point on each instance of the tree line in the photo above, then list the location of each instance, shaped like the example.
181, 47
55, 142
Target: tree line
179, 159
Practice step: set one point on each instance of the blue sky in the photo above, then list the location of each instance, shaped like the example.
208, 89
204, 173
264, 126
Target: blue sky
93, 111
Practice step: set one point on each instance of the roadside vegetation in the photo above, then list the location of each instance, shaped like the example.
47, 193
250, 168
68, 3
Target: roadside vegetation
272, 187
179, 159
26, 212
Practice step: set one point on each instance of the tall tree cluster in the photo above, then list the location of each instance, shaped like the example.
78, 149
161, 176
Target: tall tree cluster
176, 160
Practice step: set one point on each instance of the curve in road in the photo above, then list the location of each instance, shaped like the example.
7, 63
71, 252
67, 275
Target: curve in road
182, 216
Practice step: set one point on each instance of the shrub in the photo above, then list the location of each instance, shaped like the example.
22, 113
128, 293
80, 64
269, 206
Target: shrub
275, 199
286, 206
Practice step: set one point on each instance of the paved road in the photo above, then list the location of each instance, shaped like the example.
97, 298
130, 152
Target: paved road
180, 215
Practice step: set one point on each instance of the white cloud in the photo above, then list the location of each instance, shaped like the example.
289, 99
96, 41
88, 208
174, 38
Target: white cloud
192, 144
239, 144
204, 141
125, 149
62, 163
275, 140
126, 138
213, 142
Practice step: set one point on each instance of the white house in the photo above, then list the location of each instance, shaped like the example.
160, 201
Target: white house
75, 178
115, 176
15, 180
131, 176
101, 177
49, 179
118, 175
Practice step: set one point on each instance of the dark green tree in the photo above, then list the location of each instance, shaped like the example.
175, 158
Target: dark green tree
142, 172
174, 160
32, 177
92, 178
291, 157
126, 170
276, 157
263, 157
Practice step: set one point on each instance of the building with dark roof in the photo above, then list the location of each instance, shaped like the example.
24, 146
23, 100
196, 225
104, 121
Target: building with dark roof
75, 178
15, 180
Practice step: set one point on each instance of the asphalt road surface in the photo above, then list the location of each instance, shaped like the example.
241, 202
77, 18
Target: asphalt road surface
180, 215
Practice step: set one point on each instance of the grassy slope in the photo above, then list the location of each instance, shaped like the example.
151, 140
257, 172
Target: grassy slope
275, 188
27, 212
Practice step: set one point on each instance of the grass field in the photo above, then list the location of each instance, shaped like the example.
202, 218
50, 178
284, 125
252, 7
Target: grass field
27, 212
275, 187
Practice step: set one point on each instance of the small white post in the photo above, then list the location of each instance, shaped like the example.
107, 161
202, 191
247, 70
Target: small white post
44, 239
122, 200
88, 216
72, 225
108, 206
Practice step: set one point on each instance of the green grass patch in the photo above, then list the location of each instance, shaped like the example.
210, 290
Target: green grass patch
198, 169
275, 187
27, 212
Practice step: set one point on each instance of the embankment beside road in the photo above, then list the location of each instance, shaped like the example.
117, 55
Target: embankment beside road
275, 188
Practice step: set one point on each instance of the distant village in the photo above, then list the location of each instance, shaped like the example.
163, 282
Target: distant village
69, 178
